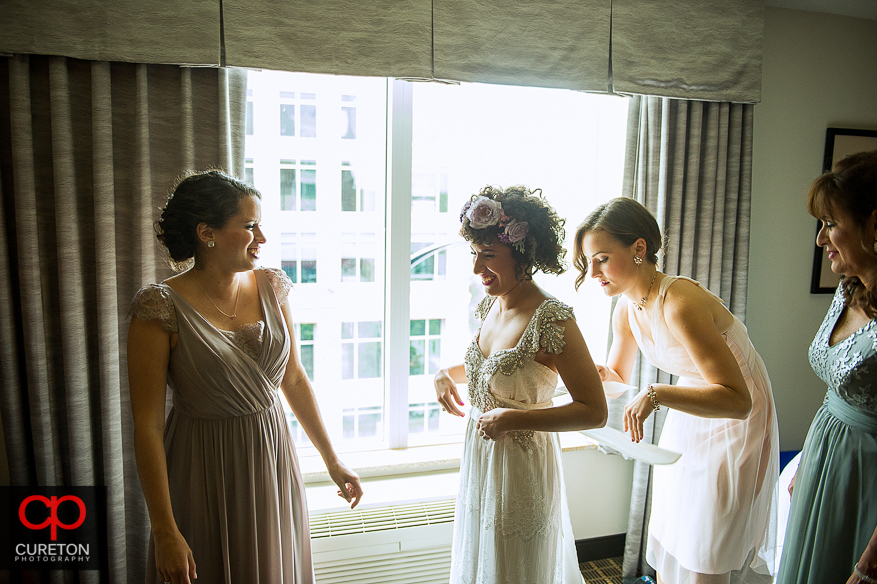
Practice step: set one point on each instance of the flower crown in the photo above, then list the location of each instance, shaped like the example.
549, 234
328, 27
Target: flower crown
484, 212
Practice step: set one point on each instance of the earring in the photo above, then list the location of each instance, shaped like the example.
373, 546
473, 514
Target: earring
875, 247
639, 261
211, 244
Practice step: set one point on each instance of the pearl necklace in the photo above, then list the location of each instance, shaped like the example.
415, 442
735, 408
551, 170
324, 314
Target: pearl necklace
642, 303
236, 297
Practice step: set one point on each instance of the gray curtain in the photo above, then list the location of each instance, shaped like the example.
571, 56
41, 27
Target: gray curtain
690, 163
88, 153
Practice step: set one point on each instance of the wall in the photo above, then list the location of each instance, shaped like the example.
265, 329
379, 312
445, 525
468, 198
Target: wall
819, 71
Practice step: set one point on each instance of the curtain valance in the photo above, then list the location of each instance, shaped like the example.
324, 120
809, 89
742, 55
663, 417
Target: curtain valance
673, 48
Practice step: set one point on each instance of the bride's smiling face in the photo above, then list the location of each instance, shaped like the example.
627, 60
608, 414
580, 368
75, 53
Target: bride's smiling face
494, 264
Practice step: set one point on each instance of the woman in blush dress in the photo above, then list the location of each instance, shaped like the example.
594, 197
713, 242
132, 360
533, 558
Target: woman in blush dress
831, 535
712, 511
511, 524
220, 474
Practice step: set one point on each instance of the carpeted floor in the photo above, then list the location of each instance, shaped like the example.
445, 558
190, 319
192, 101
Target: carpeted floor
602, 571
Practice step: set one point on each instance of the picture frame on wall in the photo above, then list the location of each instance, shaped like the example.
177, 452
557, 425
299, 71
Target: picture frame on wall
839, 143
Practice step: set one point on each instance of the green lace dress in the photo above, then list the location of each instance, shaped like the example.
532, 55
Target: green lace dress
834, 507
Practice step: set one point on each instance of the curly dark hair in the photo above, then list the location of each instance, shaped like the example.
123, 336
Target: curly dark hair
542, 248
212, 197
850, 191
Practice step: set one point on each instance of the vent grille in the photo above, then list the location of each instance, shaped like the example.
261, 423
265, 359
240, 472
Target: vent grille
381, 519
422, 567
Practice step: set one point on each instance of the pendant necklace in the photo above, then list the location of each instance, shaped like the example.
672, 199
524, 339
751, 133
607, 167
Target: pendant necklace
236, 297
642, 303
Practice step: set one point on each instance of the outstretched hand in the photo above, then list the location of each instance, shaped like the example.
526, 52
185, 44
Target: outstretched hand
446, 393
348, 483
636, 412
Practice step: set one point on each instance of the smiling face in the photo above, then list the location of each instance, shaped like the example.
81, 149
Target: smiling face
237, 242
610, 262
844, 242
494, 264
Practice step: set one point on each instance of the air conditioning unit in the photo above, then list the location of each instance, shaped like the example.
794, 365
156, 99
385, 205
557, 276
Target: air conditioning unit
400, 544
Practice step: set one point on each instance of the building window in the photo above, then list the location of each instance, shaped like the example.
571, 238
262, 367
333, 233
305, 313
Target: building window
348, 118
425, 339
429, 192
308, 185
385, 233
363, 423
428, 260
287, 119
354, 197
288, 188
298, 257
358, 257
308, 116
305, 333
361, 350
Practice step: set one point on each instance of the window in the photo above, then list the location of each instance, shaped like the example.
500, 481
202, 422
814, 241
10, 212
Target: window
298, 257
358, 257
394, 295
348, 117
305, 333
361, 350
425, 340
352, 197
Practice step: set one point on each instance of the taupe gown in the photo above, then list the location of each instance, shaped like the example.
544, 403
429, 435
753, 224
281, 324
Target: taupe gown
235, 485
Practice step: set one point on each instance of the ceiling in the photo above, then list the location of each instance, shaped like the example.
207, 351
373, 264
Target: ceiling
857, 8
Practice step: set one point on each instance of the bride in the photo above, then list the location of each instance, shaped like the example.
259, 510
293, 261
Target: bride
512, 522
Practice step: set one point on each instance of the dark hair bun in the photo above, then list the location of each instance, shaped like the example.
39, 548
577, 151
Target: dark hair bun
210, 197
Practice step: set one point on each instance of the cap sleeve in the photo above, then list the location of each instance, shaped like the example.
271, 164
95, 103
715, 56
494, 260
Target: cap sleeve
280, 282
484, 307
546, 333
153, 302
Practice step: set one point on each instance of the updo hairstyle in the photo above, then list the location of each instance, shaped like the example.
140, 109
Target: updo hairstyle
624, 219
210, 197
543, 244
849, 192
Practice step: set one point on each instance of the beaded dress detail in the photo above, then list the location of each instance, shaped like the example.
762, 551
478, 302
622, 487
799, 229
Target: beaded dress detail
512, 520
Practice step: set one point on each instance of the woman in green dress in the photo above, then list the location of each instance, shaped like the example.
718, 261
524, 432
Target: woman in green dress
831, 536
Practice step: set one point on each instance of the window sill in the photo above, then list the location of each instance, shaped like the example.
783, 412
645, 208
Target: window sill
419, 459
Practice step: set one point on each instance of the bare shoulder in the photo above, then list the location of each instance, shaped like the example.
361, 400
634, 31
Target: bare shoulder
686, 301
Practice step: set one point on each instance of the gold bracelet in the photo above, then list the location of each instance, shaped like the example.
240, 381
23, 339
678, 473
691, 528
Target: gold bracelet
650, 391
862, 576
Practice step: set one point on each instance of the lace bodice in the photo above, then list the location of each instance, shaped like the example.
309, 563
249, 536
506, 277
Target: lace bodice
533, 386
849, 368
153, 302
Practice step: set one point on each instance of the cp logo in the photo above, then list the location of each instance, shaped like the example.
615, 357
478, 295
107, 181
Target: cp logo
53, 521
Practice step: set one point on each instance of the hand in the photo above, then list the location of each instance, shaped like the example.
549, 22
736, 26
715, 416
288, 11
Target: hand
636, 412
492, 425
446, 393
792, 484
173, 558
347, 481
604, 372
